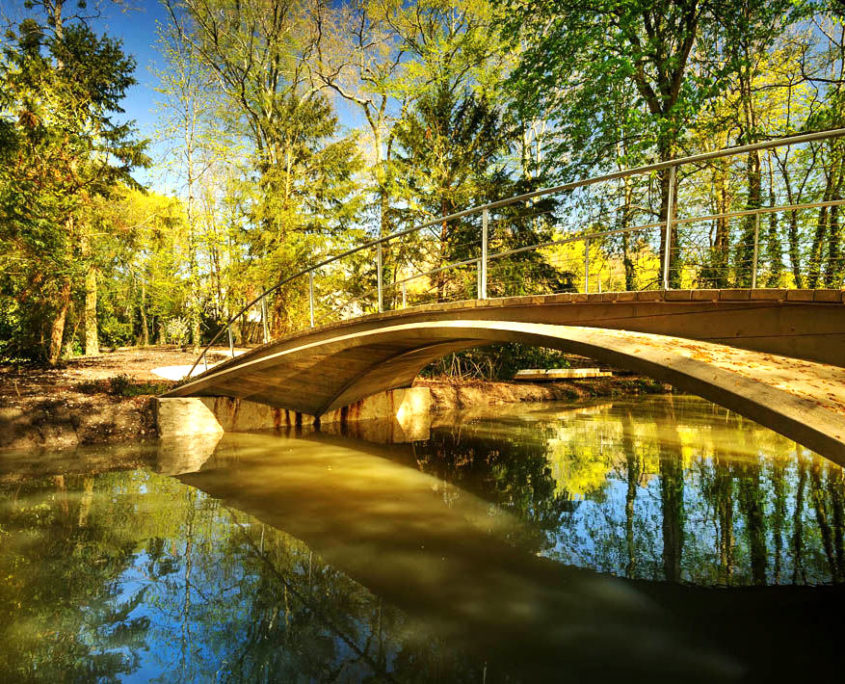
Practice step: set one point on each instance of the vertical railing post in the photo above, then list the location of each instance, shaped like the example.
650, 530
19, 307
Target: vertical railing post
231, 342
485, 225
265, 324
380, 279
311, 296
404, 295
586, 266
756, 251
667, 241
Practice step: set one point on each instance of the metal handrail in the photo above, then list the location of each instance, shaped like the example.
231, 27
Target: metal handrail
485, 209
588, 237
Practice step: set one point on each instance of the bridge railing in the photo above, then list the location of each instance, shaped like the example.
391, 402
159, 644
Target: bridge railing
765, 214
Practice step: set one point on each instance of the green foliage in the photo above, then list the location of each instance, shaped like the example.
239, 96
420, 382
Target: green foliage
61, 148
459, 104
495, 362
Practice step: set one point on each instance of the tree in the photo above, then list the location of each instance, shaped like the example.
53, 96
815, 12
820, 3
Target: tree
576, 52
61, 147
305, 191
360, 58
188, 114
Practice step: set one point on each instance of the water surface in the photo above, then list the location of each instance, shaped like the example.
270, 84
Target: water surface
658, 539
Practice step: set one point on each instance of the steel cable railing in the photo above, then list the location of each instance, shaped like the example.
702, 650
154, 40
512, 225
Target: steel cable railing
607, 254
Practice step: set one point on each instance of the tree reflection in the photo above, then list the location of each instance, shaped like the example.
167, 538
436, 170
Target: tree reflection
734, 503
136, 574
513, 474
672, 500
633, 466
63, 615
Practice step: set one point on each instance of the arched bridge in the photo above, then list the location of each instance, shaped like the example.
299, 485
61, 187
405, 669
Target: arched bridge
776, 356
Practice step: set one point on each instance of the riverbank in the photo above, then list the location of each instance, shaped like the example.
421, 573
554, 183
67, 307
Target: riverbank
449, 394
110, 398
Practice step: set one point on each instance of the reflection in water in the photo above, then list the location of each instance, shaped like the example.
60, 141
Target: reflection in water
470, 555
664, 488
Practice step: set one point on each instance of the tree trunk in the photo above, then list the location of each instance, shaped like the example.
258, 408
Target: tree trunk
672, 505
833, 264
672, 500
798, 572
819, 239
628, 263
57, 330
666, 153
145, 328
835, 481
745, 249
85, 501
817, 493
795, 249
834, 267
724, 505
792, 229
633, 472
751, 497
92, 340
718, 276
774, 250
778, 516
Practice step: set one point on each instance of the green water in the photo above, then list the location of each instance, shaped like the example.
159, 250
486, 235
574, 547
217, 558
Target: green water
657, 539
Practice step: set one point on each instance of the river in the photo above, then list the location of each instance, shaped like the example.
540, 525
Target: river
645, 539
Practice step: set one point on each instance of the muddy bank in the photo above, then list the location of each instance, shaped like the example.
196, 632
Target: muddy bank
103, 399
86, 419
76, 420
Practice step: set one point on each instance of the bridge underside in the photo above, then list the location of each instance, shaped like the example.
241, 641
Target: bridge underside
777, 361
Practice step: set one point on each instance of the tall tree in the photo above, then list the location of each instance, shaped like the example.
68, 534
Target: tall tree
258, 53
189, 116
576, 52
62, 85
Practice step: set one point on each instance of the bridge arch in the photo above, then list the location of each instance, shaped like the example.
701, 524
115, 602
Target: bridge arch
334, 370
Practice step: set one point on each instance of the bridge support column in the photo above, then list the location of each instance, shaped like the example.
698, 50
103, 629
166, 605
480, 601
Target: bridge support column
176, 417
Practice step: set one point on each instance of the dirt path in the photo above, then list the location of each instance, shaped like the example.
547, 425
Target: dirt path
135, 363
